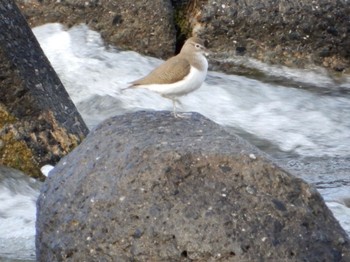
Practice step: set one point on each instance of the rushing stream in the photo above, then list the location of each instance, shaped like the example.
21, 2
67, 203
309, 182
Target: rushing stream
300, 117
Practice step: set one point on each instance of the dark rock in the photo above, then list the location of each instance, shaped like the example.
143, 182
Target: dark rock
240, 50
144, 26
149, 187
38, 121
307, 26
261, 26
292, 33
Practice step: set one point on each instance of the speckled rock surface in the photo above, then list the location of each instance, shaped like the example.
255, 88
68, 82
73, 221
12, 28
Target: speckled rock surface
38, 121
292, 33
148, 187
144, 26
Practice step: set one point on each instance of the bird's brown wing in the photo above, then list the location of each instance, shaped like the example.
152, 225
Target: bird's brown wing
172, 70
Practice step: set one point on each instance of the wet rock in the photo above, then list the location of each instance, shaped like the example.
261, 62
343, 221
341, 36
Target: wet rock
292, 33
297, 34
148, 187
38, 121
144, 26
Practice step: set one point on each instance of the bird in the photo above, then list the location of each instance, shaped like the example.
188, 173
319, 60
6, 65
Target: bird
180, 74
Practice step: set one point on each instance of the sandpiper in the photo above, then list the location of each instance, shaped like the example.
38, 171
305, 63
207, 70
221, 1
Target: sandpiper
179, 75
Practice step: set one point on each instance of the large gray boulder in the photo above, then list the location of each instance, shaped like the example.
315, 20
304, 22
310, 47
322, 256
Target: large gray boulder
39, 123
148, 187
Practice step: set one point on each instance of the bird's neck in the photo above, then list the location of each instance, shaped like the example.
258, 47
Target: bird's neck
199, 62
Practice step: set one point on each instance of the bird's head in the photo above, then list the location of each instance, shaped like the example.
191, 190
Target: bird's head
195, 44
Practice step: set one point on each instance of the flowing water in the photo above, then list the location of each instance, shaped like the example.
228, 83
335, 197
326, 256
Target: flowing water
300, 117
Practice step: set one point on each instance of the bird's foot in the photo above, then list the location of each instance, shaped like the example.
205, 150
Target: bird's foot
182, 115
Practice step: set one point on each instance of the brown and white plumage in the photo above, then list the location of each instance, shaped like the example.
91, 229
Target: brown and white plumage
180, 74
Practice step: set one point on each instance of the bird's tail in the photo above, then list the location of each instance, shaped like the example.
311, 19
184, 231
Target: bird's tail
130, 85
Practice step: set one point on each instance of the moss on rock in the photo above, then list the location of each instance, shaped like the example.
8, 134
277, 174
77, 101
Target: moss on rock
14, 152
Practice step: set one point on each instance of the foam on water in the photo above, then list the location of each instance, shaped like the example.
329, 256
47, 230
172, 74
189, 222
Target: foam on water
18, 195
341, 213
315, 76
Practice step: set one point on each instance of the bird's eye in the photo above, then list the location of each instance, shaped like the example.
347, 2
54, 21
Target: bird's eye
197, 46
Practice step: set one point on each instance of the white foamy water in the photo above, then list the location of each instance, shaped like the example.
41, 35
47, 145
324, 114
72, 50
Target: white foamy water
18, 195
299, 122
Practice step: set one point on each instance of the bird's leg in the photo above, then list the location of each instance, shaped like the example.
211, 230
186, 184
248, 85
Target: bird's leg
176, 115
174, 108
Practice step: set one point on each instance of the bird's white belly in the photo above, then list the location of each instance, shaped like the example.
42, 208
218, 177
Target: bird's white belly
190, 83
